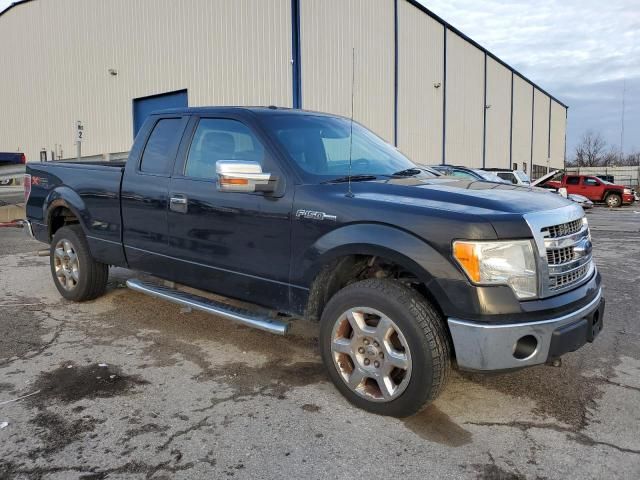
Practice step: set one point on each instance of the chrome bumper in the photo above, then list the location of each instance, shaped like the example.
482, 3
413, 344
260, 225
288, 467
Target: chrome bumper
494, 347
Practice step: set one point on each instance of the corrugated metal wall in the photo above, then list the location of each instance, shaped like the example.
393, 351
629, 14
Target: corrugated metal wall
330, 30
60, 52
540, 128
465, 102
521, 135
558, 132
420, 85
498, 113
58, 55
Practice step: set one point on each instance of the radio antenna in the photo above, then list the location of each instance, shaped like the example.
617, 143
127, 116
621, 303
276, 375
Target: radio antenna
353, 80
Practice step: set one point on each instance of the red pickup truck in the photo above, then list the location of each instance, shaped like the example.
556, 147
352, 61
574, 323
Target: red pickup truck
595, 189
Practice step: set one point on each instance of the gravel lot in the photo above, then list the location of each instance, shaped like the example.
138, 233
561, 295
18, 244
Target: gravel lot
186, 395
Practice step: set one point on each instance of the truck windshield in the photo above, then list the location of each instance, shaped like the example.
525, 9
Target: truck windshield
321, 146
524, 178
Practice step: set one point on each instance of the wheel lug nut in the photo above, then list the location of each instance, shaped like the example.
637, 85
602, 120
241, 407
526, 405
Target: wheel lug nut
360, 350
376, 344
366, 341
367, 361
376, 364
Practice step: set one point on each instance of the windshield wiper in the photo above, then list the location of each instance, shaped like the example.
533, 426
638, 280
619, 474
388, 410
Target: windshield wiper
354, 178
409, 172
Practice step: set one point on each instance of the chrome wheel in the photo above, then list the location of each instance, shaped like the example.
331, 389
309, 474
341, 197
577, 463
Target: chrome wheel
66, 264
371, 354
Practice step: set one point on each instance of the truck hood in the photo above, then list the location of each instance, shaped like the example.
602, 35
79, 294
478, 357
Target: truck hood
461, 195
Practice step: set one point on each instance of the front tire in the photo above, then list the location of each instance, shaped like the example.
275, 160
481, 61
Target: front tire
613, 200
76, 275
385, 347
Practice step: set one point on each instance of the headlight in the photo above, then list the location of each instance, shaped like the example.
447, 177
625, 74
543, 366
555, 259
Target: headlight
500, 263
627, 191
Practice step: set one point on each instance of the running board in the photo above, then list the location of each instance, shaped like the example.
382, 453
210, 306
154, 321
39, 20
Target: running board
240, 315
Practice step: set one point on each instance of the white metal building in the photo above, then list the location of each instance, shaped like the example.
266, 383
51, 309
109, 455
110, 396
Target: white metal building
419, 82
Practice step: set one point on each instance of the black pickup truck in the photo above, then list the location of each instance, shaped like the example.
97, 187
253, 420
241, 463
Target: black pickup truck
313, 216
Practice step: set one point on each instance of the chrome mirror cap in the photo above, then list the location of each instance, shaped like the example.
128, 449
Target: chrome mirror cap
243, 176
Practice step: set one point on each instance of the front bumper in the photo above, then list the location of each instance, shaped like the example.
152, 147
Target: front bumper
487, 347
628, 198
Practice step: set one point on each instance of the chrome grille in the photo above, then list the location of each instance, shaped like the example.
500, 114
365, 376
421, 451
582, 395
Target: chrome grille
563, 246
568, 249
563, 229
557, 282
556, 256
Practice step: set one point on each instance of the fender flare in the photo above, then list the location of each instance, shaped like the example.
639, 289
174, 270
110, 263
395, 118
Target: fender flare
391, 243
68, 198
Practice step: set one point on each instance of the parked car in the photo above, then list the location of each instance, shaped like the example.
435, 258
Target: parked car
10, 158
405, 271
542, 182
467, 173
515, 177
595, 189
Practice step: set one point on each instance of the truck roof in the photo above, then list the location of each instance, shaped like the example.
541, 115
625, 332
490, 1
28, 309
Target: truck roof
271, 109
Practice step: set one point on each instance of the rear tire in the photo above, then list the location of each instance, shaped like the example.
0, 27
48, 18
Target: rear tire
397, 359
76, 275
613, 200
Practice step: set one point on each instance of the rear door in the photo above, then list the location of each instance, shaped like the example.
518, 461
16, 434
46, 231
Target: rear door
145, 193
234, 244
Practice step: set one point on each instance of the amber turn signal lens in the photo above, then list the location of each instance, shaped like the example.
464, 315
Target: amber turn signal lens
234, 181
465, 254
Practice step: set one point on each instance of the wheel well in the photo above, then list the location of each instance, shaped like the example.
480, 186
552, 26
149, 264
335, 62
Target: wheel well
352, 268
60, 217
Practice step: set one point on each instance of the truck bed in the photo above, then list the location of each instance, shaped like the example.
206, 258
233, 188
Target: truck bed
91, 189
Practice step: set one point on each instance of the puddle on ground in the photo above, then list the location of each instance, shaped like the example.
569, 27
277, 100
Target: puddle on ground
436, 426
91, 381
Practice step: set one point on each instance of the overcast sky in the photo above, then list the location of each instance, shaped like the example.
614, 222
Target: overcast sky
578, 50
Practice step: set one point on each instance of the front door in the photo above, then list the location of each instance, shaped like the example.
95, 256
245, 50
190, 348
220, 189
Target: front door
234, 244
592, 188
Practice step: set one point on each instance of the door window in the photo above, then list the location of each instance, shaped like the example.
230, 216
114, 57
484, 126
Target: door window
591, 182
220, 139
160, 151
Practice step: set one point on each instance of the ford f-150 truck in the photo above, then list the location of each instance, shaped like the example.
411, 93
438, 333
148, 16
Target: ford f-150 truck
313, 216
595, 189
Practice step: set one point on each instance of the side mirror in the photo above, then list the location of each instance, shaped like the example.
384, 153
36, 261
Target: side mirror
239, 176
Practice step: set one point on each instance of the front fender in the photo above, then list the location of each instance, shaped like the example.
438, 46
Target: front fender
391, 243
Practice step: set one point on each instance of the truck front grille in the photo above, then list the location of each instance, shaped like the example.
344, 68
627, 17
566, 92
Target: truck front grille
568, 249
557, 282
562, 230
556, 256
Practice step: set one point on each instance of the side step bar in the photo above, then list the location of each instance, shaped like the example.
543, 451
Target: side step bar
240, 315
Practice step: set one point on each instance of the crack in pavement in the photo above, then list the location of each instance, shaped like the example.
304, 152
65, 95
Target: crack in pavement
578, 437
202, 423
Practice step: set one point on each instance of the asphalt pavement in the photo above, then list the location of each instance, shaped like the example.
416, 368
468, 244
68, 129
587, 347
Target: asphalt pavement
131, 387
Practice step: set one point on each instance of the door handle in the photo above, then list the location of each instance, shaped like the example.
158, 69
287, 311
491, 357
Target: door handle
178, 203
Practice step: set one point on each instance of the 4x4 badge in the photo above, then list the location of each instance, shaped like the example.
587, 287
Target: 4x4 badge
310, 214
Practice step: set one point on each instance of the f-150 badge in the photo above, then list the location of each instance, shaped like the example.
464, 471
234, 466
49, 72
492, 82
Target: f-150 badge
310, 214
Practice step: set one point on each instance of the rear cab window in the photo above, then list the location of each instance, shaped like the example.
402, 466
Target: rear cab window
573, 180
162, 145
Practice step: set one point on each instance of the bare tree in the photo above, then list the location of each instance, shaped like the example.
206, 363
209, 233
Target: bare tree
591, 150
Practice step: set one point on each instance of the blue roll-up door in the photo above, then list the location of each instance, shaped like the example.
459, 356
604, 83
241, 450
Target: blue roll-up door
144, 106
